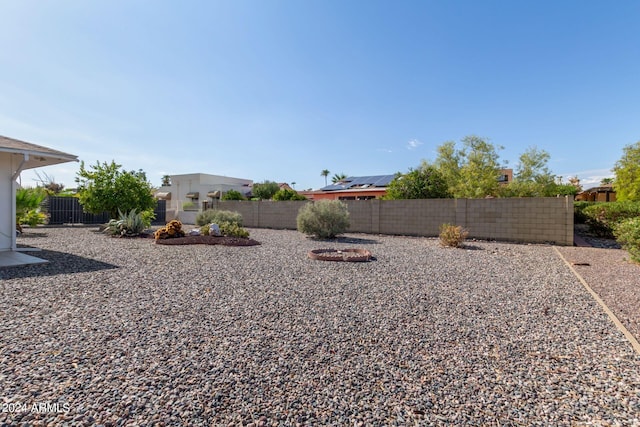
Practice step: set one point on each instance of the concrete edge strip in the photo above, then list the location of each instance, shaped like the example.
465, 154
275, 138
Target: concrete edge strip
634, 342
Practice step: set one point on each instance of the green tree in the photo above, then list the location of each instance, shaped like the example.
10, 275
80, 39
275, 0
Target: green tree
286, 194
533, 166
325, 173
627, 171
606, 181
472, 171
532, 177
104, 187
425, 182
233, 195
265, 190
337, 178
166, 180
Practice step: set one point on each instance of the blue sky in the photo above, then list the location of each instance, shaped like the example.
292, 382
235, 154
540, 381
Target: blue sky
282, 89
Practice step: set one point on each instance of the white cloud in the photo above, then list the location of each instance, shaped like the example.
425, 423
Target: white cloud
413, 144
384, 150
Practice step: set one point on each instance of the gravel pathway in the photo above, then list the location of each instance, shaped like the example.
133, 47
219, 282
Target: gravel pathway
125, 332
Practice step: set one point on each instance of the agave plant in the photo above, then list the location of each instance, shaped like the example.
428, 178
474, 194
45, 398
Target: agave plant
128, 225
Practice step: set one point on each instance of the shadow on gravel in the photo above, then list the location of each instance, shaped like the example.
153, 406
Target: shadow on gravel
59, 263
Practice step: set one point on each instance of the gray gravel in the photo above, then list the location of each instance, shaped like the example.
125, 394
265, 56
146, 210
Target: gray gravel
125, 332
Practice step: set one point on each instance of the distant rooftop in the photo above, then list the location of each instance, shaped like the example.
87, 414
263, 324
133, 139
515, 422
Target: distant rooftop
355, 182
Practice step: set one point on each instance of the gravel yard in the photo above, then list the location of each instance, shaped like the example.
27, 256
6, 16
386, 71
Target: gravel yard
126, 332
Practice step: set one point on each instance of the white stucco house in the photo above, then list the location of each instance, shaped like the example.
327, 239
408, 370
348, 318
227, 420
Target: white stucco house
16, 156
197, 188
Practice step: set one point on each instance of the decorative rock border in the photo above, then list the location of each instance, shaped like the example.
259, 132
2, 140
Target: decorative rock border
349, 255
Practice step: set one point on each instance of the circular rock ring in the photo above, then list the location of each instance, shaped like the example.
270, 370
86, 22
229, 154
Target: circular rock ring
349, 255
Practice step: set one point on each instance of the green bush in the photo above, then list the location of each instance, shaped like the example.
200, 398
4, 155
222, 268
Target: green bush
217, 216
286, 194
453, 235
189, 206
128, 225
28, 206
232, 229
579, 216
324, 219
627, 233
603, 217
204, 230
233, 195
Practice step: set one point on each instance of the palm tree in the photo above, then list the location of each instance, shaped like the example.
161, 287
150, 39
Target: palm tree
325, 173
338, 177
166, 180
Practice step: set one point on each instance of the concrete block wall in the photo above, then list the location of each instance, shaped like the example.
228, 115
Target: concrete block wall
535, 220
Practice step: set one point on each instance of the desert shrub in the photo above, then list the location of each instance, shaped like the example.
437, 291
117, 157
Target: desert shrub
172, 229
603, 217
32, 218
286, 194
627, 233
189, 206
147, 217
453, 235
127, 225
217, 216
324, 219
579, 216
232, 229
233, 195
204, 230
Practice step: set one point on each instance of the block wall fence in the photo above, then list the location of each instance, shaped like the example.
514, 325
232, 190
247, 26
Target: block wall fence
533, 220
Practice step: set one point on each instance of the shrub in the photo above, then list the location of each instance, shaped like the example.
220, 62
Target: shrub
603, 217
204, 230
627, 233
324, 219
286, 194
453, 235
28, 206
128, 225
189, 206
233, 195
579, 216
232, 229
217, 216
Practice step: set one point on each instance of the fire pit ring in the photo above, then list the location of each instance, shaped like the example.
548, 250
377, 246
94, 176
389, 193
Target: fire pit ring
348, 255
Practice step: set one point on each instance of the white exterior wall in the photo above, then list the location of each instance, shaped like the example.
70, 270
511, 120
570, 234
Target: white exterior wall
7, 222
203, 184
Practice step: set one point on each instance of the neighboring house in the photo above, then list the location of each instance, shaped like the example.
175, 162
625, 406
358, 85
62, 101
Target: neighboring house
199, 189
353, 188
603, 193
16, 156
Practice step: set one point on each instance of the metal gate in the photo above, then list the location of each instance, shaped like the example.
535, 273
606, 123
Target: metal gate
67, 210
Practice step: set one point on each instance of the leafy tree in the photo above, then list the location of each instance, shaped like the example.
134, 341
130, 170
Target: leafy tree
233, 195
606, 181
533, 166
286, 194
166, 180
425, 182
336, 178
265, 190
627, 171
533, 178
575, 181
471, 172
104, 187
325, 173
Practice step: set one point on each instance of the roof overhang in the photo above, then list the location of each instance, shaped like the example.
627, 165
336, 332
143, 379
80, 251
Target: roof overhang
163, 195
